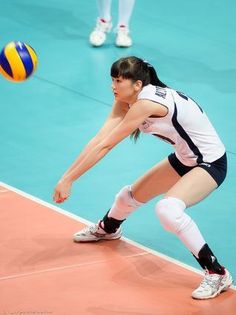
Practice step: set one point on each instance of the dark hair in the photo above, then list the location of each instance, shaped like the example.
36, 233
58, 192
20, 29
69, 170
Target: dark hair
135, 68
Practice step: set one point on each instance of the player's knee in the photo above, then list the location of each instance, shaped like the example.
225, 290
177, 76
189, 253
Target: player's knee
171, 214
125, 200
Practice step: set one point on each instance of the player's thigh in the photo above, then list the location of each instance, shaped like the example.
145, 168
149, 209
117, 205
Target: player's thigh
155, 181
194, 186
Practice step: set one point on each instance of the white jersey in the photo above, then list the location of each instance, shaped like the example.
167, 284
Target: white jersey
185, 126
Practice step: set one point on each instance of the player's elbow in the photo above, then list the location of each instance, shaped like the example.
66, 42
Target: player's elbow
107, 145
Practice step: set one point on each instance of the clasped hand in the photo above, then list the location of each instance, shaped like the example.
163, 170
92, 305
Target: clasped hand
62, 191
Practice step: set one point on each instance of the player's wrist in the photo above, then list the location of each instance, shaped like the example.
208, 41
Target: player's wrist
66, 180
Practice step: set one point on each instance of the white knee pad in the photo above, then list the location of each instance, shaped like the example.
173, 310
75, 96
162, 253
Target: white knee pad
171, 214
124, 204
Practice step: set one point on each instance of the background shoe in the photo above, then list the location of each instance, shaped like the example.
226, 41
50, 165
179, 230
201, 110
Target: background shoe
212, 285
122, 38
98, 35
94, 233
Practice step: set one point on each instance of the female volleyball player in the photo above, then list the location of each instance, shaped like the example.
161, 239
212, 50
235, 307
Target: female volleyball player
198, 166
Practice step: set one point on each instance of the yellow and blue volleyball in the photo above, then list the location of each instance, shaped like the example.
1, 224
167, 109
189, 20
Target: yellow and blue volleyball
18, 61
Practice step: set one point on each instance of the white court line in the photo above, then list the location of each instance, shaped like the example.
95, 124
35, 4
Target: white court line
79, 219
96, 262
3, 191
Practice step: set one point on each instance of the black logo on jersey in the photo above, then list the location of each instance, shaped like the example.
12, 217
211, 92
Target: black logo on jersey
146, 124
160, 92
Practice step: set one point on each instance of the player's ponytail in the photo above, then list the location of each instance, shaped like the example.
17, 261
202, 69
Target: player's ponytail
154, 80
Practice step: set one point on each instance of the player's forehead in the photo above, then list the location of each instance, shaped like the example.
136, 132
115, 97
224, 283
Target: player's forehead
120, 78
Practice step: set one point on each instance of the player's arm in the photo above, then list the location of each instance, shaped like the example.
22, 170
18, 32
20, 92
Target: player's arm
135, 116
117, 113
114, 118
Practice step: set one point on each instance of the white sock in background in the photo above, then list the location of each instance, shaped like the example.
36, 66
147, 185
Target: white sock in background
125, 12
104, 9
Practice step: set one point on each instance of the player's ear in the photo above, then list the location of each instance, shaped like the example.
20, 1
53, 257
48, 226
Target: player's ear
138, 85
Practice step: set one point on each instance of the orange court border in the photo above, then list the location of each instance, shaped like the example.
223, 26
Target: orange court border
42, 271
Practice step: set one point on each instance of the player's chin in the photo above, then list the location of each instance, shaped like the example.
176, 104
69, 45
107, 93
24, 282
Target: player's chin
117, 97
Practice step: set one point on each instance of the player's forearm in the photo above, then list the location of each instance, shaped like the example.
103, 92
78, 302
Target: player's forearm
89, 160
83, 154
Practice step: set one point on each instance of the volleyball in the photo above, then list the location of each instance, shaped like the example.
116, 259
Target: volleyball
18, 61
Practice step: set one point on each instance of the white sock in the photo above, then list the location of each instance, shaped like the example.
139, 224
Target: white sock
125, 12
124, 204
172, 215
104, 9
192, 238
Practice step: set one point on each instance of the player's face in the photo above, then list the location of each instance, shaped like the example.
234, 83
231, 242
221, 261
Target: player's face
124, 89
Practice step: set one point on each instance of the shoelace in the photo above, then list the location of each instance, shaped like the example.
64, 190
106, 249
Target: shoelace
211, 280
90, 229
122, 31
101, 27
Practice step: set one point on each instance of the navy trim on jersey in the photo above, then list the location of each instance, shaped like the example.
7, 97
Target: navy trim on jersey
185, 136
187, 98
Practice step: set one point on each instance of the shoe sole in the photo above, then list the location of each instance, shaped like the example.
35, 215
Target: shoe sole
97, 240
123, 46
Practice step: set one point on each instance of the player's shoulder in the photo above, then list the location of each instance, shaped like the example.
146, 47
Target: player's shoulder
153, 91
157, 94
147, 90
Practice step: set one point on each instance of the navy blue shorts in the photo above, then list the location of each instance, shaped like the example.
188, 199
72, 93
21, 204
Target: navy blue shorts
217, 169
